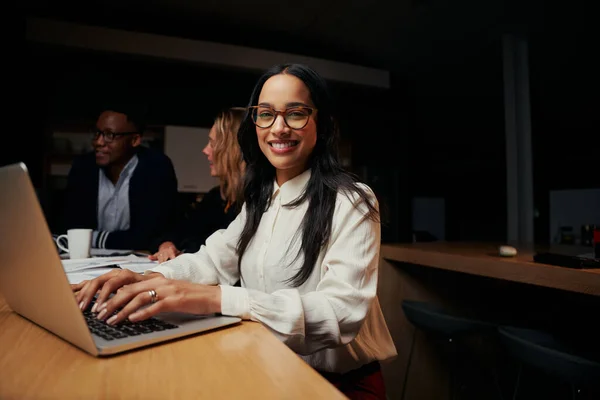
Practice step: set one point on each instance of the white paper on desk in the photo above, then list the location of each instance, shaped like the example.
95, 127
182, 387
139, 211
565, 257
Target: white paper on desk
110, 252
105, 253
136, 263
139, 266
131, 262
92, 263
78, 276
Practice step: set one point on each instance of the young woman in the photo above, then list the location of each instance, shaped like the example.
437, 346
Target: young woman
220, 205
305, 245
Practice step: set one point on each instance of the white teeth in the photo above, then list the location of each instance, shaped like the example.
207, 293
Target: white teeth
284, 145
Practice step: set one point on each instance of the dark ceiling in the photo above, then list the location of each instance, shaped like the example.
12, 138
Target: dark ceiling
402, 35
378, 33
425, 41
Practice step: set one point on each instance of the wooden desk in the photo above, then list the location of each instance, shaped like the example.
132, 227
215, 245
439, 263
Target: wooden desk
240, 362
483, 260
471, 278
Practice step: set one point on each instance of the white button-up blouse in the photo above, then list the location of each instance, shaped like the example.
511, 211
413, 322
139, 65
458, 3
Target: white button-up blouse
333, 320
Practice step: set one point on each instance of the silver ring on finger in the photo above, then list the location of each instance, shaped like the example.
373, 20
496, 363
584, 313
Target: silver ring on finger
153, 296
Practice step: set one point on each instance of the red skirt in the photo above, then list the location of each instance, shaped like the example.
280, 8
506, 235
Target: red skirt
364, 383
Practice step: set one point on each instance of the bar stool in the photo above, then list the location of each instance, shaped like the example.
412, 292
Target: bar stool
548, 353
447, 327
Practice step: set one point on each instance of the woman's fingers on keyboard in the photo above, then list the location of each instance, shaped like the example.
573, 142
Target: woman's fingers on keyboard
108, 308
115, 283
90, 288
76, 287
132, 297
85, 295
131, 301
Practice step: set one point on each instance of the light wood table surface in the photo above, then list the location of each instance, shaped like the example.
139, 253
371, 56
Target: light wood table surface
482, 259
240, 362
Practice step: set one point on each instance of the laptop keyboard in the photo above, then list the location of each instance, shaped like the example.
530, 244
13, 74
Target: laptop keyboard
125, 328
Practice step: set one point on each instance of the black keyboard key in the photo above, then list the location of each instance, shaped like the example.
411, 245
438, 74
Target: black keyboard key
125, 328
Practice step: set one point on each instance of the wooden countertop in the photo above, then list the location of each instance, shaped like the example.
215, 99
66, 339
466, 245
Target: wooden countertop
482, 259
243, 361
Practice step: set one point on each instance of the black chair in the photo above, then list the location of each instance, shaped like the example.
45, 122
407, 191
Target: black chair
554, 356
447, 328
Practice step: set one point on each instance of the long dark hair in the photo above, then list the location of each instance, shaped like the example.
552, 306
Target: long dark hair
327, 176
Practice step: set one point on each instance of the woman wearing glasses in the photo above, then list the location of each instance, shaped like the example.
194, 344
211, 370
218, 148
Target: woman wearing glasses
221, 205
305, 245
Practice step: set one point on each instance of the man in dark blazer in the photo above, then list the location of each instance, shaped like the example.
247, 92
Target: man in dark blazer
125, 192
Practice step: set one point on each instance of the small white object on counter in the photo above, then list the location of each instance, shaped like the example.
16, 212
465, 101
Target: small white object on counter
507, 251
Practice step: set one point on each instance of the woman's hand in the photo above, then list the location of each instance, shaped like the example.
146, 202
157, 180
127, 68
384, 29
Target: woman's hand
106, 284
166, 251
159, 295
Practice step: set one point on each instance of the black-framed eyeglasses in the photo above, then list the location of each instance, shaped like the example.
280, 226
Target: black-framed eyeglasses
108, 135
295, 117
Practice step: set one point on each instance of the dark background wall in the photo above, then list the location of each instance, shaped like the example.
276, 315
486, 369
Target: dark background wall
71, 86
439, 130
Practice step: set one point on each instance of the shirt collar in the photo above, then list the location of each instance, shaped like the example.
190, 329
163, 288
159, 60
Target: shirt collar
130, 166
127, 169
293, 188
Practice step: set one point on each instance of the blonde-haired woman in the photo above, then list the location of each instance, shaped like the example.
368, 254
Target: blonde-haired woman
220, 205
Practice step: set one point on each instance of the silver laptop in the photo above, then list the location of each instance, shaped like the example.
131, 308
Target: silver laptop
34, 283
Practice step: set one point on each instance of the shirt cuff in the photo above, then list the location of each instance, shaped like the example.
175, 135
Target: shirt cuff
235, 301
99, 239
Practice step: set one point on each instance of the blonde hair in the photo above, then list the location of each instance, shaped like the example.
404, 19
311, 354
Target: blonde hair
227, 154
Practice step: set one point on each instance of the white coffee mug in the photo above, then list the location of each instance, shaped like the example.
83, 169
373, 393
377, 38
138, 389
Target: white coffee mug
79, 243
